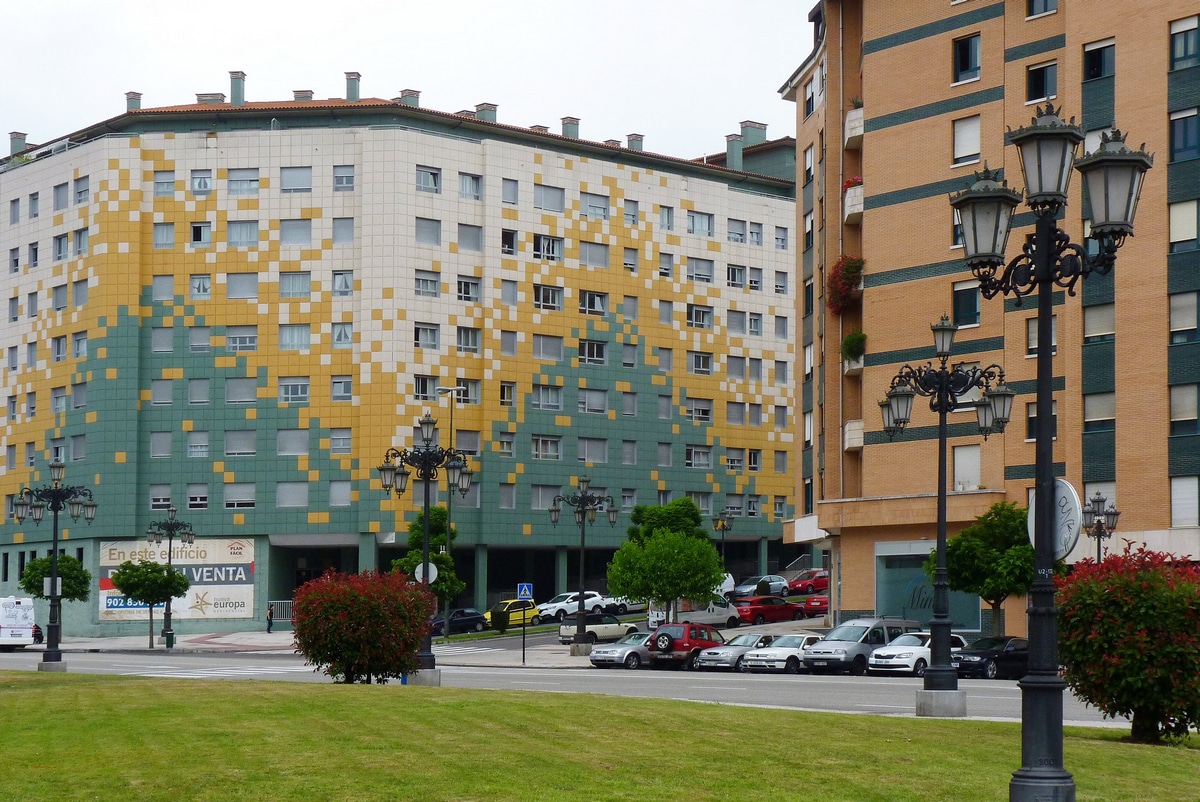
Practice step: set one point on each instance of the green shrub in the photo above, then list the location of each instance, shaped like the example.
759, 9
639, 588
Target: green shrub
499, 619
763, 588
854, 345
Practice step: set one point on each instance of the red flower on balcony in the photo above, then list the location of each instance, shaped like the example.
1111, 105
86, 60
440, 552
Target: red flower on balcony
856, 181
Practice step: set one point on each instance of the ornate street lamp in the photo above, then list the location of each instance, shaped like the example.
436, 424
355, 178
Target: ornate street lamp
171, 528
586, 506
76, 500
722, 522
427, 460
944, 387
1113, 177
1104, 522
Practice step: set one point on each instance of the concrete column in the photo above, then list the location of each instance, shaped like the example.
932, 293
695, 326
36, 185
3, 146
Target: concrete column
762, 555
481, 577
561, 555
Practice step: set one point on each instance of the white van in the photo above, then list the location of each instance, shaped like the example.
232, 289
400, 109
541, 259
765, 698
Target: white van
716, 612
16, 622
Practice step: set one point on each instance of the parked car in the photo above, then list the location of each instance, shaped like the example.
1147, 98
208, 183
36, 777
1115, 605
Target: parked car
596, 627
621, 606
680, 644
631, 651
717, 611
847, 647
814, 580
729, 656
565, 604
767, 609
462, 619
785, 653
520, 611
816, 606
908, 654
994, 657
778, 586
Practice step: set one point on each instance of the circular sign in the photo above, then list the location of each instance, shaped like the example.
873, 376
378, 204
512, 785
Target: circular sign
1068, 518
419, 572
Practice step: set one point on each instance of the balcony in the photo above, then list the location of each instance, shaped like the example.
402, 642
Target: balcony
852, 205
854, 129
852, 436
852, 367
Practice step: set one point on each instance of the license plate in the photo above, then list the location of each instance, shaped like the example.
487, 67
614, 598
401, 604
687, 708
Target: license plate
820, 663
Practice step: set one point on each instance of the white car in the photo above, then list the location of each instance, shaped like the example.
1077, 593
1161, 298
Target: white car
786, 654
596, 627
907, 654
565, 604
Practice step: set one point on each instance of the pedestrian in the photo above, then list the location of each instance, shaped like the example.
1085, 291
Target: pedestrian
270, 616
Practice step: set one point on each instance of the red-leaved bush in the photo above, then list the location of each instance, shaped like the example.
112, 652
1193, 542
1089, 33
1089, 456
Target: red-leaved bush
366, 626
841, 285
1129, 636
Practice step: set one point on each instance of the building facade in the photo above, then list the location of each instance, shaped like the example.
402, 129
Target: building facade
898, 105
234, 308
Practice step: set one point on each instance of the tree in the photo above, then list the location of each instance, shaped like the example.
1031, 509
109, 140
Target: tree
76, 580
447, 586
668, 565
681, 515
991, 558
150, 583
1129, 637
365, 626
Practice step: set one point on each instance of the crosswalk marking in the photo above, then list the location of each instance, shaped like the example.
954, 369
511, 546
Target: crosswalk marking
464, 649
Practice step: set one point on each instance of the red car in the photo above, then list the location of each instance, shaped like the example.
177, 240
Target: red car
767, 610
814, 580
816, 606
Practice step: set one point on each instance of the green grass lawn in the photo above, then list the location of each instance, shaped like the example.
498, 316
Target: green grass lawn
81, 737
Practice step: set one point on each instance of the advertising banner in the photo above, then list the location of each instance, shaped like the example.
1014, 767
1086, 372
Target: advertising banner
220, 570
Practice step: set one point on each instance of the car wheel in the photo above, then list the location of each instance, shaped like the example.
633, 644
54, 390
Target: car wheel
990, 671
560, 615
631, 630
798, 615
622, 609
478, 626
597, 610
809, 590
919, 669
633, 661
689, 662
740, 665
758, 620
589, 637
792, 666
664, 642
533, 622
732, 623
858, 667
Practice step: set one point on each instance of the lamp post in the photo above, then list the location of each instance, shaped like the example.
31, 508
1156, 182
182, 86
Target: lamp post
944, 387
722, 522
427, 461
586, 506
77, 500
1112, 175
1104, 522
170, 527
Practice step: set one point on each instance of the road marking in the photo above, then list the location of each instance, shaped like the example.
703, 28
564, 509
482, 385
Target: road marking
218, 671
464, 649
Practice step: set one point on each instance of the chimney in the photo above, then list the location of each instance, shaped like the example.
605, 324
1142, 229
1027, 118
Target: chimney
613, 143
570, 127
485, 111
302, 94
466, 113
733, 151
210, 98
753, 133
541, 129
410, 97
352, 79
634, 140
133, 101
237, 88
16, 142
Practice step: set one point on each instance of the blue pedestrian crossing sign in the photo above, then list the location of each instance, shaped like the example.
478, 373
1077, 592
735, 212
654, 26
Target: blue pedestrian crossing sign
525, 591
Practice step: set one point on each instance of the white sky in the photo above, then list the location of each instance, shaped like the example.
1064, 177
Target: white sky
682, 74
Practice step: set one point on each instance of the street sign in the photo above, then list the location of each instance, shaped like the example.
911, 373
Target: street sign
419, 573
525, 591
1068, 518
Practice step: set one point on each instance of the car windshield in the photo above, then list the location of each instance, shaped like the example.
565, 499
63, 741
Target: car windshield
754, 580
562, 597
790, 642
809, 575
636, 638
990, 643
747, 639
910, 640
847, 632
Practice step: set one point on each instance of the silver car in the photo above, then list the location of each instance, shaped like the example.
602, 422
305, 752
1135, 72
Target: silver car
729, 656
631, 651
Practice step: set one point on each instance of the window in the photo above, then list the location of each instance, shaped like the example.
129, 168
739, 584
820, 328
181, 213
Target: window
343, 335
79, 395
666, 218
699, 410
508, 394
966, 140
504, 442
14, 260
242, 181
808, 429
34, 206
629, 355
291, 494
61, 196
1100, 410
808, 164
1185, 135
293, 389
31, 354
470, 238
242, 233
61, 248
781, 372
699, 269
957, 238
1183, 225
58, 400
33, 254
197, 445
14, 355
1031, 335
81, 190
735, 367
666, 265
339, 441
31, 405
700, 363
546, 247
545, 447
1099, 322
429, 232
735, 459
343, 283
164, 235
551, 199
593, 303
241, 391
242, 286
756, 234
160, 497
1099, 60
508, 343
58, 297
966, 467
547, 297
201, 182
343, 231
547, 347
295, 337
343, 178
427, 284
781, 238
164, 184
700, 223
1185, 46
699, 317
160, 391
429, 179
810, 98
31, 304
1041, 82
592, 206
426, 335
781, 327
240, 443
197, 496
241, 338
736, 321
592, 449
736, 230
593, 254
1036, 7
592, 352
508, 190
14, 308
79, 290
81, 241
1183, 410
808, 230
341, 388
295, 179
295, 285
14, 211
966, 303
631, 212
198, 391
966, 58
468, 340
698, 457
1031, 420
508, 242
425, 387
665, 357
593, 401
629, 307
735, 276
198, 339
630, 259
295, 233
239, 495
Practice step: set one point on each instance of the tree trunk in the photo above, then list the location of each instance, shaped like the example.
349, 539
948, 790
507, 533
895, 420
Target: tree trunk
997, 622
151, 607
1145, 728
